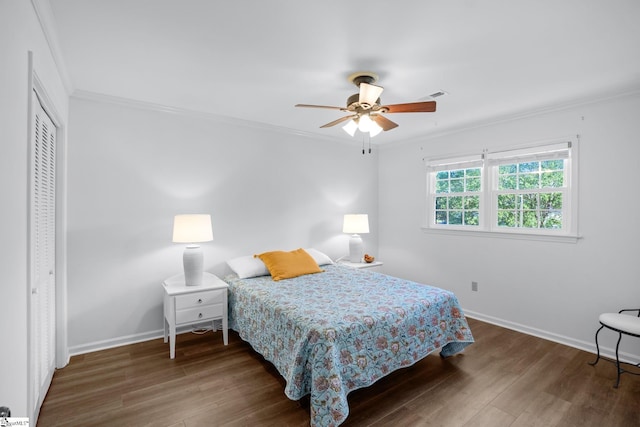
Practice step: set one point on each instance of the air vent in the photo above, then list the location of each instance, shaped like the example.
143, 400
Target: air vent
438, 94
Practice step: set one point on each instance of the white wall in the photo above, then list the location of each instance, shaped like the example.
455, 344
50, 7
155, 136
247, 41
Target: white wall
555, 290
132, 169
20, 33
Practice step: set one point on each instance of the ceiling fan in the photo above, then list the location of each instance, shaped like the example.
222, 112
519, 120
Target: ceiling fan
366, 109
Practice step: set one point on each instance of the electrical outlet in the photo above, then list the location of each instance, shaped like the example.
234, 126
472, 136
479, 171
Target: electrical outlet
474, 286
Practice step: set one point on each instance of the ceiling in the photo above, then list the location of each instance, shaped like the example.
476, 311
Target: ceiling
254, 60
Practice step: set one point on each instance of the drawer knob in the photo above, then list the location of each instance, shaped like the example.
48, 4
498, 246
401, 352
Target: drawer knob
199, 300
199, 315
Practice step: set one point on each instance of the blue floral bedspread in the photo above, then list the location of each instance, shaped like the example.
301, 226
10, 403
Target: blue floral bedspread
333, 332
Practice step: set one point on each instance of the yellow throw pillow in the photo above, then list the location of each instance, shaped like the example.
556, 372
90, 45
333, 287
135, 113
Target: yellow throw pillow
285, 265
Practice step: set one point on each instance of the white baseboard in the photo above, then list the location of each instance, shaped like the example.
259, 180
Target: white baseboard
550, 336
115, 342
126, 340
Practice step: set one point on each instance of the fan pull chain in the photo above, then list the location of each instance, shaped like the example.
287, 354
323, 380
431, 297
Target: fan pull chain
363, 143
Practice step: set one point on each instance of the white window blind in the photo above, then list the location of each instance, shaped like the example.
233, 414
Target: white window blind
461, 162
559, 150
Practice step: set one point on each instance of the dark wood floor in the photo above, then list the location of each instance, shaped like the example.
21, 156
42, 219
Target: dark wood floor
504, 379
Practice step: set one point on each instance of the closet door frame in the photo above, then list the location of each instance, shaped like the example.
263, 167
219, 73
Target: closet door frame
61, 351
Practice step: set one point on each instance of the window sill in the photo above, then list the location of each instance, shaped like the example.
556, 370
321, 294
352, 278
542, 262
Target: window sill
502, 235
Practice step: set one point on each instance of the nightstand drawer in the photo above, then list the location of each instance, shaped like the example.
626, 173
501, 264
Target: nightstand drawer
200, 299
199, 313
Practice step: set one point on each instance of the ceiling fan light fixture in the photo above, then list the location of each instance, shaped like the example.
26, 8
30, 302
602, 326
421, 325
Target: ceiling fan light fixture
350, 127
375, 129
369, 94
364, 124
367, 113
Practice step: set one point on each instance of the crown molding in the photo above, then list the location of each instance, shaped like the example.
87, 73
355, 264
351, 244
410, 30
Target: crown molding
622, 92
454, 129
232, 121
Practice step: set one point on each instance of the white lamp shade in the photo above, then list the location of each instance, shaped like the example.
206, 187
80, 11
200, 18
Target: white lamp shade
369, 93
350, 127
355, 223
374, 129
364, 124
192, 228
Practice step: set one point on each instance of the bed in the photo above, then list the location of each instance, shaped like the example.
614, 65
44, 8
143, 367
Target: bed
342, 329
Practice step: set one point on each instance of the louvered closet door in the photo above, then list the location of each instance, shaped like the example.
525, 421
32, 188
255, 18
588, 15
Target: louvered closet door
42, 249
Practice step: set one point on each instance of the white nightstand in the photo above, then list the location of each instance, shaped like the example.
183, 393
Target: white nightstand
188, 305
375, 265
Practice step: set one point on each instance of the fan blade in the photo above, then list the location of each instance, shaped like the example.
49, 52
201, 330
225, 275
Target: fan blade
321, 106
412, 107
340, 120
369, 94
383, 122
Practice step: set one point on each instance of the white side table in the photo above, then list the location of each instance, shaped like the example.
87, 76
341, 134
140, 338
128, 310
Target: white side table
375, 265
188, 305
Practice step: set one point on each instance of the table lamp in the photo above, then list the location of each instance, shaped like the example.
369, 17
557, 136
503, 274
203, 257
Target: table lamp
355, 224
192, 229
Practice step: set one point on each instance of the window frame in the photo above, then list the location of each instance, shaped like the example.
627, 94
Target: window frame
560, 148
454, 163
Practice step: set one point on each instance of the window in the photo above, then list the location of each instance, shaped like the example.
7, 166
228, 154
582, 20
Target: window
456, 192
457, 199
529, 190
530, 194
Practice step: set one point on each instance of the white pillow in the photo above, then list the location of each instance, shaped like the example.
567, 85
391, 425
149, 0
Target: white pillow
319, 257
248, 266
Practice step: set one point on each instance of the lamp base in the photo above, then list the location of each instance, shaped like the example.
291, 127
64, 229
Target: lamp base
193, 262
356, 248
